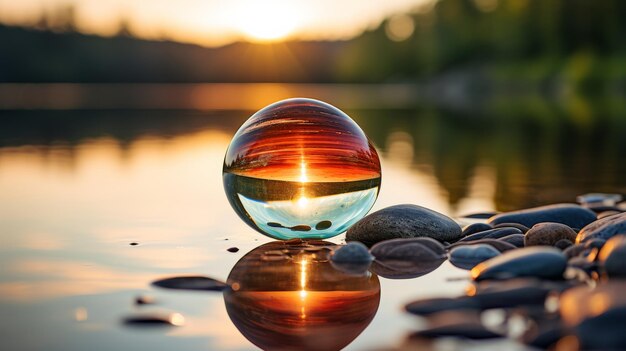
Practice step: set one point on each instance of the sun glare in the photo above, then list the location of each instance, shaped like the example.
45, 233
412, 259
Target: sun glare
267, 20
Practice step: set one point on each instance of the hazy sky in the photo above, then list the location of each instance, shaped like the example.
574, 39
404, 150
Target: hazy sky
216, 22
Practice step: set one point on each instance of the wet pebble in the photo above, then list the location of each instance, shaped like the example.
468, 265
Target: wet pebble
540, 262
134, 243
301, 228
571, 215
407, 258
425, 307
516, 240
352, 252
491, 234
548, 234
521, 227
475, 228
468, 256
232, 249
563, 244
480, 215
612, 257
404, 221
191, 283
499, 245
604, 214
155, 319
603, 228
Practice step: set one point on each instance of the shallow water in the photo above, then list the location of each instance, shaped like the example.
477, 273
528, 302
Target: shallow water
78, 187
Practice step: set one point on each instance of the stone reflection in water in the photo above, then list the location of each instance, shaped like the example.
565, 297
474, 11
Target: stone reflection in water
301, 168
299, 302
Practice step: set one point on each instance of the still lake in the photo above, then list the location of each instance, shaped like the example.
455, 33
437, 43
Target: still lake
78, 186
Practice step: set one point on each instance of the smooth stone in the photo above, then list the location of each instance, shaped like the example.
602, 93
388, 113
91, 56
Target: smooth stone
404, 221
426, 307
475, 228
563, 244
613, 257
480, 215
352, 252
521, 227
607, 199
603, 228
574, 251
407, 258
594, 244
191, 283
468, 256
583, 264
516, 240
605, 214
571, 215
604, 331
134, 243
467, 331
155, 319
499, 245
232, 249
491, 234
540, 262
548, 234
301, 228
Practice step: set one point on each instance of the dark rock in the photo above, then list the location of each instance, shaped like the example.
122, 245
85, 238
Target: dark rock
594, 244
407, 258
574, 251
480, 215
521, 227
516, 240
425, 307
613, 257
155, 319
499, 245
134, 243
403, 221
475, 228
596, 315
301, 228
603, 228
491, 234
468, 256
232, 249
571, 215
352, 252
474, 331
323, 225
540, 262
604, 214
275, 225
548, 234
563, 244
191, 283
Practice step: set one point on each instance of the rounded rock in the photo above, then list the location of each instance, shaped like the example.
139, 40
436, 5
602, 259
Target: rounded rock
613, 256
571, 215
404, 221
548, 234
495, 233
604, 228
516, 240
352, 252
468, 256
475, 228
539, 262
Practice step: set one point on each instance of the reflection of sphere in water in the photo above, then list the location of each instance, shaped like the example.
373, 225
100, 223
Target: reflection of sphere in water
289, 297
301, 168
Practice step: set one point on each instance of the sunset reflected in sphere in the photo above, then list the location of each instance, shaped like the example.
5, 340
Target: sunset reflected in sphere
301, 168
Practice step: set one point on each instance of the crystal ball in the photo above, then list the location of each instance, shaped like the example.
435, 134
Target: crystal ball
301, 168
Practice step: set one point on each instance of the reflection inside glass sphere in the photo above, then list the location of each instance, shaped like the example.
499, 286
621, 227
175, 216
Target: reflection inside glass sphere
301, 168
287, 296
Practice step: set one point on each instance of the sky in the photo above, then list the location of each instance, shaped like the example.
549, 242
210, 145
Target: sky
217, 22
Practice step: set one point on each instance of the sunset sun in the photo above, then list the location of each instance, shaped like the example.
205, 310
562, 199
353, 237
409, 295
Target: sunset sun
267, 20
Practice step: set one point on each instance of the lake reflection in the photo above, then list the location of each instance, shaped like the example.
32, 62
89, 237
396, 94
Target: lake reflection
289, 297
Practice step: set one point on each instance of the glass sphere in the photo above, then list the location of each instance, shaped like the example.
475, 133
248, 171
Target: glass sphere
301, 168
